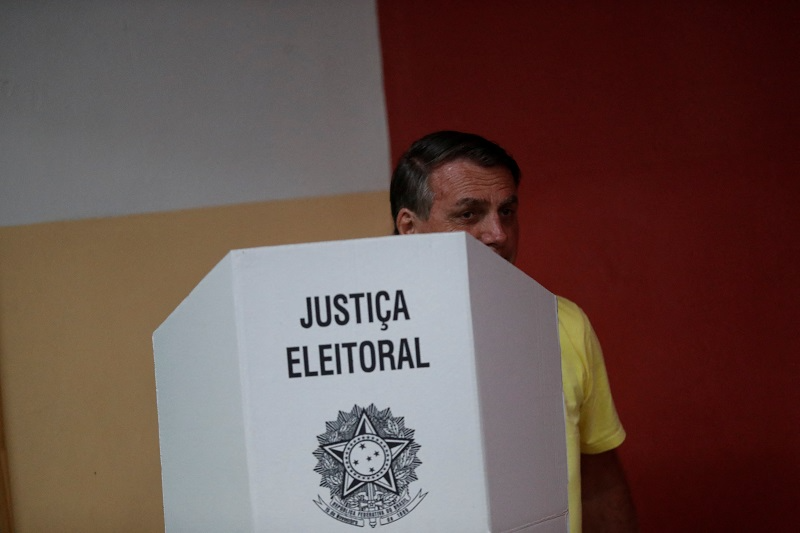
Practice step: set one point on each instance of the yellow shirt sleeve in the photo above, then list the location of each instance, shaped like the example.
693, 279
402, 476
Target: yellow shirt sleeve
592, 424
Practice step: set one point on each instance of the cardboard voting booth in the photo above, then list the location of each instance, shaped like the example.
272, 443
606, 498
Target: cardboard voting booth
405, 384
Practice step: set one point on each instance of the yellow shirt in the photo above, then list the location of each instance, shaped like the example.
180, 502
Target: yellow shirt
591, 419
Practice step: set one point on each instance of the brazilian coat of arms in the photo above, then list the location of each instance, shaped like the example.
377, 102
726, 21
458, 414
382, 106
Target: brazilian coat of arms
367, 459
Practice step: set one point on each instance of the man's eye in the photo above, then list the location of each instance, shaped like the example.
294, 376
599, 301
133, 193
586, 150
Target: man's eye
466, 215
507, 212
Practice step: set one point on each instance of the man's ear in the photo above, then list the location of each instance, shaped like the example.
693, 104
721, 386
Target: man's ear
406, 221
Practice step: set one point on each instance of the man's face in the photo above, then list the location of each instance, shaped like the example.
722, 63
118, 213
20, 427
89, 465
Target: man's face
467, 197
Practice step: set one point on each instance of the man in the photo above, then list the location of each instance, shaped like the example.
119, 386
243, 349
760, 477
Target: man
453, 181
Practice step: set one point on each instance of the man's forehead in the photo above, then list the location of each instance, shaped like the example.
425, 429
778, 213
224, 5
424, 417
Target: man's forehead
465, 178
511, 199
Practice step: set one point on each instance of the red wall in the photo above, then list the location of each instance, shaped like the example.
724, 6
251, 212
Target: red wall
660, 151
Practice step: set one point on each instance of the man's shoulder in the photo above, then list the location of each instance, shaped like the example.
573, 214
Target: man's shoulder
570, 316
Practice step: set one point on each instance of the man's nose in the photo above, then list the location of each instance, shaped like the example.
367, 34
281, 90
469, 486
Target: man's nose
493, 232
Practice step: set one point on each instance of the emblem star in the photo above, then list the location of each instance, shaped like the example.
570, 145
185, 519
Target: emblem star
367, 444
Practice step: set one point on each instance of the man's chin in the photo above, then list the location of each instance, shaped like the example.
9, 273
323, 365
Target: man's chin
505, 254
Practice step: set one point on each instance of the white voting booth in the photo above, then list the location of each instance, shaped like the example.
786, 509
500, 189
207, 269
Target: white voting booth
402, 384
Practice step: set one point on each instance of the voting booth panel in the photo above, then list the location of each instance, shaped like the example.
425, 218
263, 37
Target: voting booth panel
407, 383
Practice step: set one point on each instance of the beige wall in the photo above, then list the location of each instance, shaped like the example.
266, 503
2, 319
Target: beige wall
78, 304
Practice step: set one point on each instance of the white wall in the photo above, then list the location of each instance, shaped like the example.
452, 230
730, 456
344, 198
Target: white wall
112, 107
